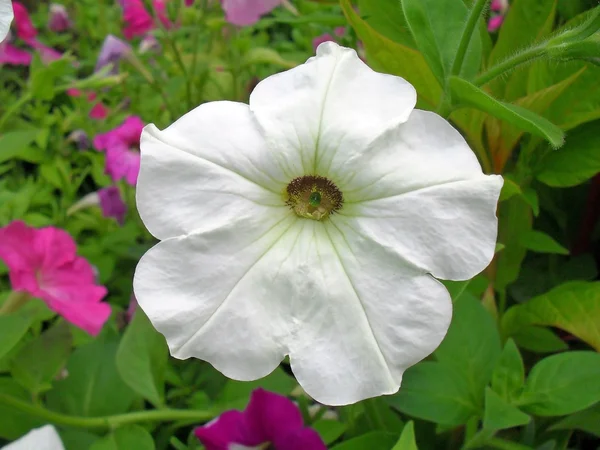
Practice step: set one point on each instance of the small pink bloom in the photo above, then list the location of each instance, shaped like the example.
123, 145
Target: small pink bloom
495, 23
339, 31
59, 18
48, 54
269, 421
112, 204
139, 21
99, 111
247, 12
499, 6
320, 39
189, 2
44, 263
23, 24
121, 145
13, 56
132, 308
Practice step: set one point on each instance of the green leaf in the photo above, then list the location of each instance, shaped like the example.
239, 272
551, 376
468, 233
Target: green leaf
577, 161
508, 377
587, 420
467, 94
472, 345
500, 415
329, 430
562, 384
142, 359
542, 243
394, 58
407, 438
93, 387
13, 143
539, 340
387, 18
437, 26
15, 423
130, 437
437, 393
573, 307
12, 328
376, 440
40, 360
509, 189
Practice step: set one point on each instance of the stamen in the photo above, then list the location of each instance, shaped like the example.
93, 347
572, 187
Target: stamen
313, 197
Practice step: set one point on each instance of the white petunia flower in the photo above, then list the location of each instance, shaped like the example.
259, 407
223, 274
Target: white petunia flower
44, 438
312, 223
6, 17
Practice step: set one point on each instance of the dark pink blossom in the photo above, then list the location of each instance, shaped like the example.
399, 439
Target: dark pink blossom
269, 421
247, 12
44, 263
121, 145
139, 21
59, 20
28, 34
14, 56
495, 23
112, 204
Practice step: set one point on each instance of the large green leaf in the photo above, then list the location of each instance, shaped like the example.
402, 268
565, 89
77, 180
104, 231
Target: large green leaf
577, 161
329, 430
499, 414
13, 143
142, 359
508, 377
391, 57
130, 437
377, 440
387, 18
437, 26
573, 307
472, 345
93, 387
12, 328
587, 420
562, 384
541, 242
13, 422
40, 360
467, 94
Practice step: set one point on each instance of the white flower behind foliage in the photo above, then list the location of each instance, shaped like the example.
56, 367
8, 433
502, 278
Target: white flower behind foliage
311, 223
6, 17
44, 438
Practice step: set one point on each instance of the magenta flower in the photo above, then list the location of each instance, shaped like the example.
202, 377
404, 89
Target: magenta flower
59, 20
28, 33
112, 204
494, 23
98, 111
14, 56
499, 8
112, 51
269, 421
44, 263
121, 145
247, 12
139, 21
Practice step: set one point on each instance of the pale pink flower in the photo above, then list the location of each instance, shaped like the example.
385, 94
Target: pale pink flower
59, 20
247, 12
112, 51
121, 145
44, 263
112, 204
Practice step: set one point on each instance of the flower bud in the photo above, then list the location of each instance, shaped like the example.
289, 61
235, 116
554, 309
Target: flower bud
59, 20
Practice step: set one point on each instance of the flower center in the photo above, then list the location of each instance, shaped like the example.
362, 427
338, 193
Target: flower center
313, 197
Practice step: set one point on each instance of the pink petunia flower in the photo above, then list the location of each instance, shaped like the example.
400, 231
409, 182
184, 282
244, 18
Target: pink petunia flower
59, 20
269, 421
44, 263
139, 21
28, 34
322, 38
14, 56
495, 23
121, 145
247, 12
499, 9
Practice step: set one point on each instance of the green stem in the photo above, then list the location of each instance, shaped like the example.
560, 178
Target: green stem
510, 64
467, 34
106, 422
13, 303
16, 106
373, 414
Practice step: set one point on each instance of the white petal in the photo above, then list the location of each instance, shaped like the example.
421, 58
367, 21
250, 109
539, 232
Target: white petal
366, 316
6, 17
213, 295
448, 230
333, 103
424, 151
44, 438
207, 169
